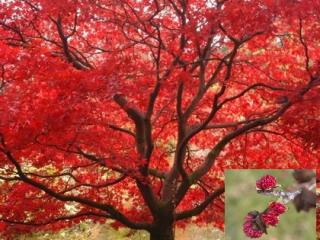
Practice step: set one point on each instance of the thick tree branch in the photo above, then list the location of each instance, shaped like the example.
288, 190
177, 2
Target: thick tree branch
252, 87
305, 48
70, 56
214, 153
117, 215
202, 206
143, 138
114, 127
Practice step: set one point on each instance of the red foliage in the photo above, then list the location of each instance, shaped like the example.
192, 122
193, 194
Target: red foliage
131, 110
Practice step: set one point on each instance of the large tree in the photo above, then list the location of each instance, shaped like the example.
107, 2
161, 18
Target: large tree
131, 110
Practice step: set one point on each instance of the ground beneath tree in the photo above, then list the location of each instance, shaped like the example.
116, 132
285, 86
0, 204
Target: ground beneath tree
85, 231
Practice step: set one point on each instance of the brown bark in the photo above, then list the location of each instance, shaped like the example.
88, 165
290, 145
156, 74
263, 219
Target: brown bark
163, 230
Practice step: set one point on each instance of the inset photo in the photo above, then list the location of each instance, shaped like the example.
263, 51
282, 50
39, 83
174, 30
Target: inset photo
270, 204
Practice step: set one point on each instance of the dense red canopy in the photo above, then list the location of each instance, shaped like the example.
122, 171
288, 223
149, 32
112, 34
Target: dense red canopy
131, 110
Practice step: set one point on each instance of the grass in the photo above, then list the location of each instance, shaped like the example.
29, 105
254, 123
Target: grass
88, 231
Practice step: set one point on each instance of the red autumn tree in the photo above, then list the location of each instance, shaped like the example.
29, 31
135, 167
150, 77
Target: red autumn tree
131, 110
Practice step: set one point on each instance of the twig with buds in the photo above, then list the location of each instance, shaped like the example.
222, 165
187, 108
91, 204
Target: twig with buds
256, 223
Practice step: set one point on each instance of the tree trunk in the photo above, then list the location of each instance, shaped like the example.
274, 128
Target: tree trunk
163, 231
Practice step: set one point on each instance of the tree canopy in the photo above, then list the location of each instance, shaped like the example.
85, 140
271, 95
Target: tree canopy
131, 110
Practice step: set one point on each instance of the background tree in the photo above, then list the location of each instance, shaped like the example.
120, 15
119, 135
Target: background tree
130, 110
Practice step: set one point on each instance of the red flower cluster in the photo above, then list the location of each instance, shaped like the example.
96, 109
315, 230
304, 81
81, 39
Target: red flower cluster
266, 182
250, 228
277, 208
270, 219
256, 223
272, 213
